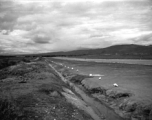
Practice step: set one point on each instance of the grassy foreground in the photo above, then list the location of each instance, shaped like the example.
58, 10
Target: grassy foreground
33, 91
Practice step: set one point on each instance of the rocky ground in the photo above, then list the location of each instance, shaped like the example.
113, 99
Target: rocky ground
33, 91
121, 100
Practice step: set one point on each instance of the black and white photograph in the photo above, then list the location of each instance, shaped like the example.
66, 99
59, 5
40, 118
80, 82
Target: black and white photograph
75, 59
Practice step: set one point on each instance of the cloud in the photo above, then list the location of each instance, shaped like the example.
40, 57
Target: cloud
34, 26
144, 40
41, 38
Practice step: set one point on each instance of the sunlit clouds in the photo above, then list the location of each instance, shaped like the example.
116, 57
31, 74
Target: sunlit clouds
37, 26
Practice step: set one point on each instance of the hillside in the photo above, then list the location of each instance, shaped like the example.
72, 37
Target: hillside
33, 91
117, 51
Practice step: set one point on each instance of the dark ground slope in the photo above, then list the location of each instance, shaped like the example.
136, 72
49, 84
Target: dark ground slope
32, 91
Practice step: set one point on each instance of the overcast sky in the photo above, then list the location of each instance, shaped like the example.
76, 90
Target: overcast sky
36, 26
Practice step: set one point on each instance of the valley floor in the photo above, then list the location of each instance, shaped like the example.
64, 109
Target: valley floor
131, 99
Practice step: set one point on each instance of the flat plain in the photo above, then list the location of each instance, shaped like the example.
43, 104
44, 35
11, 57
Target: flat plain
136, 78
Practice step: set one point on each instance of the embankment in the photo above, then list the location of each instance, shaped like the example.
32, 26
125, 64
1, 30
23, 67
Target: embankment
33, 91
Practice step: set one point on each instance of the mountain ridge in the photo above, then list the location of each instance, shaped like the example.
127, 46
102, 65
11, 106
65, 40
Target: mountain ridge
117, 48
116, 51
124, 51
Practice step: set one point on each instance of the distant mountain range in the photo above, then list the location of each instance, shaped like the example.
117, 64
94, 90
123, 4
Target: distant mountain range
116, 51
126, 51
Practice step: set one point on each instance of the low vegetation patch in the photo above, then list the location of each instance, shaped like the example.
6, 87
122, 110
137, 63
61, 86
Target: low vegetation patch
9, 61
32, 91
77, 79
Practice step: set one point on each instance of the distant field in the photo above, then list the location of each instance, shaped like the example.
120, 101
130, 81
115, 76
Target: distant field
126, 61
132, 76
